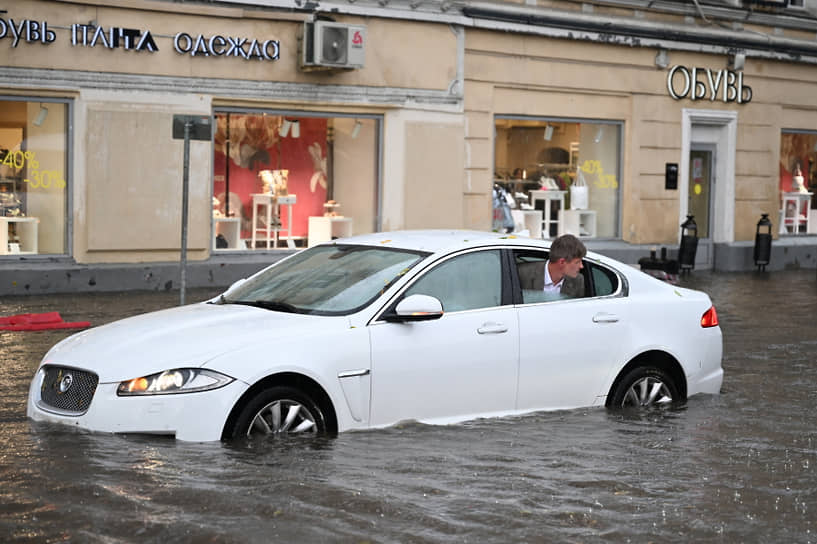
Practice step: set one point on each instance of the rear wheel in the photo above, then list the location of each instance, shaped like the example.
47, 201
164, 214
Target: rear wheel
644, 387
279, 411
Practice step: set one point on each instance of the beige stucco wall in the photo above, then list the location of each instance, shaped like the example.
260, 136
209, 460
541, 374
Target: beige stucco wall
423, 175
429, 64
129, 174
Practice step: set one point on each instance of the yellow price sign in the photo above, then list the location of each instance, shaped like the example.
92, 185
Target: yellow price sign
45, 179
602, 181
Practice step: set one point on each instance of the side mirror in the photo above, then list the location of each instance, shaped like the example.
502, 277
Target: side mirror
415, 308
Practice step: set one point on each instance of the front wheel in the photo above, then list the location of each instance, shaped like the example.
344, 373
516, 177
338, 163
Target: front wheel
645, 387
279, 411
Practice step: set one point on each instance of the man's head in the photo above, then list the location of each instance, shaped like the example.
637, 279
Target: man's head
566, 254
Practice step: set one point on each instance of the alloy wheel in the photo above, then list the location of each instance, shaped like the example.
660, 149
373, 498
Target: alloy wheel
282, 416
647, 391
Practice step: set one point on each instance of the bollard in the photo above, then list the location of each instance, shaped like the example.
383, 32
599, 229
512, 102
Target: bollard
763, 242
662, 269
689, 244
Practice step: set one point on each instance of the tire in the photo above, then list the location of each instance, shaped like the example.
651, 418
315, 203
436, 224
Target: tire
279, 411
645, 387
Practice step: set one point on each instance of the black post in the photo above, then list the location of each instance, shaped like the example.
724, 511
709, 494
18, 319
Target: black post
763, 243
689, 245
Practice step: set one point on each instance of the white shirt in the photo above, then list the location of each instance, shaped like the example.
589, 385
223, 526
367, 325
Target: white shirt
551, 287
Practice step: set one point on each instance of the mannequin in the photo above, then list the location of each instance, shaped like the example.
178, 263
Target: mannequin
797, 185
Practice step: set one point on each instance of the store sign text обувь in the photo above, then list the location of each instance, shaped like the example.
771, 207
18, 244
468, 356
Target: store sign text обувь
29, 31
132, 39
704, 83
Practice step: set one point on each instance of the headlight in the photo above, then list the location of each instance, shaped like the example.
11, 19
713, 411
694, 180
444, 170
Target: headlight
180, 380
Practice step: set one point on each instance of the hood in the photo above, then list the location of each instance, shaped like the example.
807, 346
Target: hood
187, 336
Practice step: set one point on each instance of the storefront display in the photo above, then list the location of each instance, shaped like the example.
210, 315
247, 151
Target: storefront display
798, 181
32, 177
280, 170
567, 170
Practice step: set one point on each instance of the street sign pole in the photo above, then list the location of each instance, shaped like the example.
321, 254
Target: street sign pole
185, 197
188, 127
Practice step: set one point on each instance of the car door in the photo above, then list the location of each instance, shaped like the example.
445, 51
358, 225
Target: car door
568, 346
459, 366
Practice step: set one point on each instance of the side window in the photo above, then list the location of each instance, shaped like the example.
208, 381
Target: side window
530, 269
605, 282
530, 266
465, 282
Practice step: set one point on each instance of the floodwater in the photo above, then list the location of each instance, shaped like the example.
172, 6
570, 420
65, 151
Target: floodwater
735, 467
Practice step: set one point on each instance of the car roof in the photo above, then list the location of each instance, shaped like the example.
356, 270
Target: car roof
436, 241
444, 241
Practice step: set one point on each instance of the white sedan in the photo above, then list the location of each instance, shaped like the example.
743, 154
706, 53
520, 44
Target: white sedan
373, 330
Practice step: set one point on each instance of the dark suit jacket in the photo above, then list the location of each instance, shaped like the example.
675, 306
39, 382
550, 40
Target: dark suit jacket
532, 276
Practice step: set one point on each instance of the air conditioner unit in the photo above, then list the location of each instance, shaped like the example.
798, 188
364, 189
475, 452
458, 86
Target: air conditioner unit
327, 45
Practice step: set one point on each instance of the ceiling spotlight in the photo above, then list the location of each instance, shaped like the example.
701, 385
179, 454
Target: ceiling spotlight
599, 135
356, 129
548, 132
296, 129
43, 113
284, 130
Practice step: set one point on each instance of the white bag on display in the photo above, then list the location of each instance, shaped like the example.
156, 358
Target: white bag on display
578, 193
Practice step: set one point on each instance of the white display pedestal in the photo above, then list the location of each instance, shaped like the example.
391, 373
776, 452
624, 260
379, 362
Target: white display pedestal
795, 212
271, 205
324, 228
26, 228
552, 224
230, 228
530, 220
581, 223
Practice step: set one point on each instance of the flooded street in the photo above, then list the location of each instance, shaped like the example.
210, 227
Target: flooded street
737, 467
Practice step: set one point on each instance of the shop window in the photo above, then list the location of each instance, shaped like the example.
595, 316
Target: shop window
798, 182
33, 187
568, 171
285, 181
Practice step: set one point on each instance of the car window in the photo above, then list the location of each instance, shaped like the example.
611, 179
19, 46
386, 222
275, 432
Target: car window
326, 280
464, 282
530, 271
605, 281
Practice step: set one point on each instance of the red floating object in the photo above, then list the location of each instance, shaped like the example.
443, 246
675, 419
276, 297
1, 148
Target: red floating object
39, 322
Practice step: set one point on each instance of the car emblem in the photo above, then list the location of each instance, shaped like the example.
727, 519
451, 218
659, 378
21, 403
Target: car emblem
65, 383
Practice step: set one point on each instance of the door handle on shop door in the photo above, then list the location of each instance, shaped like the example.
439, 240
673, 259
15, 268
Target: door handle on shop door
605, 318
492, 328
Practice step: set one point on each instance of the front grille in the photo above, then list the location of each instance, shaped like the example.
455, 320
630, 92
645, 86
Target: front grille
67, 389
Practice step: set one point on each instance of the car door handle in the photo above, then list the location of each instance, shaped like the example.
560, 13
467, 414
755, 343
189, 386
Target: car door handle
605, 318
492, 328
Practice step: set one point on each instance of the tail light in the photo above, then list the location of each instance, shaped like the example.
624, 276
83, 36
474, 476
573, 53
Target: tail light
710, 318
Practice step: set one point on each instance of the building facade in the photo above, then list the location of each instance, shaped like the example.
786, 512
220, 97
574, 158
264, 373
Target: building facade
613, 120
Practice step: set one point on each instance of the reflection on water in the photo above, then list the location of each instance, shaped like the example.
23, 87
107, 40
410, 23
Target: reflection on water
735, 467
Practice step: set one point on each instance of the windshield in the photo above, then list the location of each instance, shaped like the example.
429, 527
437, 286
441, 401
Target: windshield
326, 280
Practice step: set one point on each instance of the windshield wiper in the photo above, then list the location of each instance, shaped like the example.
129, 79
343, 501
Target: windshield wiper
275, 305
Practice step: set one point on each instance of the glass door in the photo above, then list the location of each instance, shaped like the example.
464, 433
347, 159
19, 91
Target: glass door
701, 182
